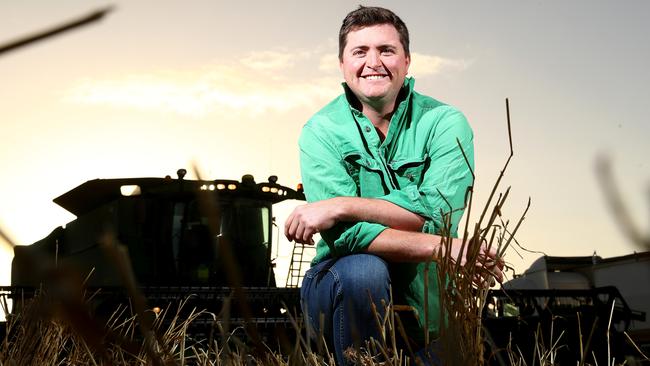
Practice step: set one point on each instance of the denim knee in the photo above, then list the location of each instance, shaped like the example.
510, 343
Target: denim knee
363, 275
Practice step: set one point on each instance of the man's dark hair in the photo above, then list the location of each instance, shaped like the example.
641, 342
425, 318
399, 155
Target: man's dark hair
367, 16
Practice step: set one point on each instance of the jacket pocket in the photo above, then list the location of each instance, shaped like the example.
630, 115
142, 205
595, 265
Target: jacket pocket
409, 171
366, 173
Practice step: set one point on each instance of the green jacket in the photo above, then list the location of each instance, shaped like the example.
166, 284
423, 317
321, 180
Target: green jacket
419, 166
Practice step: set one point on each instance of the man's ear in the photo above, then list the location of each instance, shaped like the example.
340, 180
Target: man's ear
408, 63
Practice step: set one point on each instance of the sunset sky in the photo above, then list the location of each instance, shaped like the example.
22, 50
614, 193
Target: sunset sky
157, 85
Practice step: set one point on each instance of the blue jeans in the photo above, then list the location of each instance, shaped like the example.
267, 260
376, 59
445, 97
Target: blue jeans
340, 289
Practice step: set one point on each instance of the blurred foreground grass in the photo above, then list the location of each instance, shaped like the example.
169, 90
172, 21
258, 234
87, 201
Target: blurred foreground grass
40, 334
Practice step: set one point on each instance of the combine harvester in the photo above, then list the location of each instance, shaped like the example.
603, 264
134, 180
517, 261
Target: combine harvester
208, 239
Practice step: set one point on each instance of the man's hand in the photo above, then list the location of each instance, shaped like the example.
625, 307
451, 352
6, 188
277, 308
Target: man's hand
307, 220
489, 266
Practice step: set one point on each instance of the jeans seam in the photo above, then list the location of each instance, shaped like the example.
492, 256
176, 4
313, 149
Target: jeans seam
338, 295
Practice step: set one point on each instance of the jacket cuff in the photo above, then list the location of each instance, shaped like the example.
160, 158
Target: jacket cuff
353, 239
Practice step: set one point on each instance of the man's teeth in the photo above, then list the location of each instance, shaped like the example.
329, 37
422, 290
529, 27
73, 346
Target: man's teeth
374, 77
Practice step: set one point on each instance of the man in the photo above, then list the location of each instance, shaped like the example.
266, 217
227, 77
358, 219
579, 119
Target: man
380, 164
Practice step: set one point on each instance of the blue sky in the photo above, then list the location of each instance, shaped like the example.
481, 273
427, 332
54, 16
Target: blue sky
159, 84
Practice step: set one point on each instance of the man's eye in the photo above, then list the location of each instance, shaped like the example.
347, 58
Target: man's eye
358, 53
388, 52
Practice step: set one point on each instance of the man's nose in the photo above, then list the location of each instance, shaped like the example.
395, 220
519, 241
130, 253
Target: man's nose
373, 60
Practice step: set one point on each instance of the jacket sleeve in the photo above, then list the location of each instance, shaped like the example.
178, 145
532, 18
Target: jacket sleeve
324, 176
446, 177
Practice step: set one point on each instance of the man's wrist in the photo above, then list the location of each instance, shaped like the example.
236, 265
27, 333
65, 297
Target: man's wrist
343, 209
440, 246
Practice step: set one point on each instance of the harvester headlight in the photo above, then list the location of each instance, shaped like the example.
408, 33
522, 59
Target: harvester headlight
274, 190
211, 187
265, 188
221, 186
130, 190
204, 187
232, 187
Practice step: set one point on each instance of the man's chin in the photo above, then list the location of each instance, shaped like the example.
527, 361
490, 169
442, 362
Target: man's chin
375, 95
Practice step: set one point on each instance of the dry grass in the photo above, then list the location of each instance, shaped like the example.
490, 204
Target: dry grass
38, 336
461, 338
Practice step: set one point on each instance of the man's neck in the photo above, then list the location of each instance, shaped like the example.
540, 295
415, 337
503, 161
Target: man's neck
380, 118
379, 112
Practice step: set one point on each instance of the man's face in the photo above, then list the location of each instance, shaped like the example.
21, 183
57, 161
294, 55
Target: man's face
374, 64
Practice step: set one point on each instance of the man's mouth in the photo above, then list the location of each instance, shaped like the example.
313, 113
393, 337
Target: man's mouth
374, 77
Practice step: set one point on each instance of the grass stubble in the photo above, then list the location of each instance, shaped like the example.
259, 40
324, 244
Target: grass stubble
56, 327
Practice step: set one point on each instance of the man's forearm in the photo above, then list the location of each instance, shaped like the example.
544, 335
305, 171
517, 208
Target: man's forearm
307, 220
355, 209
405, 246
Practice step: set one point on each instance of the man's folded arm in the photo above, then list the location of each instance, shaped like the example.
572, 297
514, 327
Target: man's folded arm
355, 222
378, 225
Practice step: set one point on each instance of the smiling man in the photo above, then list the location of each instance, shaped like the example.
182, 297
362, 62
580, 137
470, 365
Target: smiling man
381, 168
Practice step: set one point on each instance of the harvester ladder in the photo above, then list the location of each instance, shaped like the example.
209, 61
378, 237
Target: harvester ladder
295, 266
